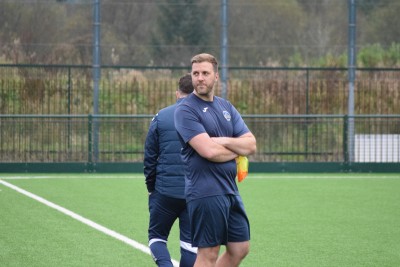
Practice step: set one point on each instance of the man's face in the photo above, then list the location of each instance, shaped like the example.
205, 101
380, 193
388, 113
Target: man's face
203, 78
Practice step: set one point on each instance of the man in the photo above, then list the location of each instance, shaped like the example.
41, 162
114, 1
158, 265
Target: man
213, 134
164, 173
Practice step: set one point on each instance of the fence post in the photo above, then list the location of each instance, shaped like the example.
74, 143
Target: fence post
90, 142
69, 86
345, 139
307, 89
307, 108
224, 48
69, 108
352, 57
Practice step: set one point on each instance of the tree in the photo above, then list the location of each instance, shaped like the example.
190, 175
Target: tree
264, 33
182, 31
326, 28
368, 6
126, 28
383, 26
29, 31
39, 32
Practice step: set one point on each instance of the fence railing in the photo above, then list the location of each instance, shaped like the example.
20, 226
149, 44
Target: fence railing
120, 138
64, 89
294, 130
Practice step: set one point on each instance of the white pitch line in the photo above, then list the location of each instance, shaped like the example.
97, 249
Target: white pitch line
84, 220
251, 176
69, 177
343, 177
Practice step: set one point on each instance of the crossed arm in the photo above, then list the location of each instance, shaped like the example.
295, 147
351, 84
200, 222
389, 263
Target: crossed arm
222, 149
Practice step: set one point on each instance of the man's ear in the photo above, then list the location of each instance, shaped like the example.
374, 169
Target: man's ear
177, 94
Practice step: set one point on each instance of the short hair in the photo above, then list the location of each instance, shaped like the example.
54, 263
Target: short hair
204, 57
185, 84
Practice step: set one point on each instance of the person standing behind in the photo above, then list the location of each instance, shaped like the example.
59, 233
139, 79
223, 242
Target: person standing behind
213, 134
164, 177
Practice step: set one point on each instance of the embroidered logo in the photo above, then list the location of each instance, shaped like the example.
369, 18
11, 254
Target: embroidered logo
227, 115
205, 109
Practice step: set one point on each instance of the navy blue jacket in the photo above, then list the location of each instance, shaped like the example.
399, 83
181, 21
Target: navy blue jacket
163, 165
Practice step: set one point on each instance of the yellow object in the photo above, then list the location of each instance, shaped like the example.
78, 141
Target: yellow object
242, 164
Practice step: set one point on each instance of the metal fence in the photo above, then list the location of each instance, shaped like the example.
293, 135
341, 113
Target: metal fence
50, 89
120, 138
297, 114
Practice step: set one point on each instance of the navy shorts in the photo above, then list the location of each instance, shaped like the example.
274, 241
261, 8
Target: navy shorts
164, 211
218, 220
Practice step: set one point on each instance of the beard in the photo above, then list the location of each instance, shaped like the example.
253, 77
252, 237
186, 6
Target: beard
204, 89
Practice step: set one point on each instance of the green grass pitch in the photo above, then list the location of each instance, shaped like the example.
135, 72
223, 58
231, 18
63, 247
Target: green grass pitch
296, 220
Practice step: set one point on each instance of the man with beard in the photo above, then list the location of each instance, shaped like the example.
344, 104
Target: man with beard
213, 134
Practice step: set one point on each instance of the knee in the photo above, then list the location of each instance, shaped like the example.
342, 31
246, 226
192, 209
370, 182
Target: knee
207, 256
244, 251
239, 251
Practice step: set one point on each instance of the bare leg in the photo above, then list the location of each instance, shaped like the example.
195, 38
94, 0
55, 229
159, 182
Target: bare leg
234, 254
207, 257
